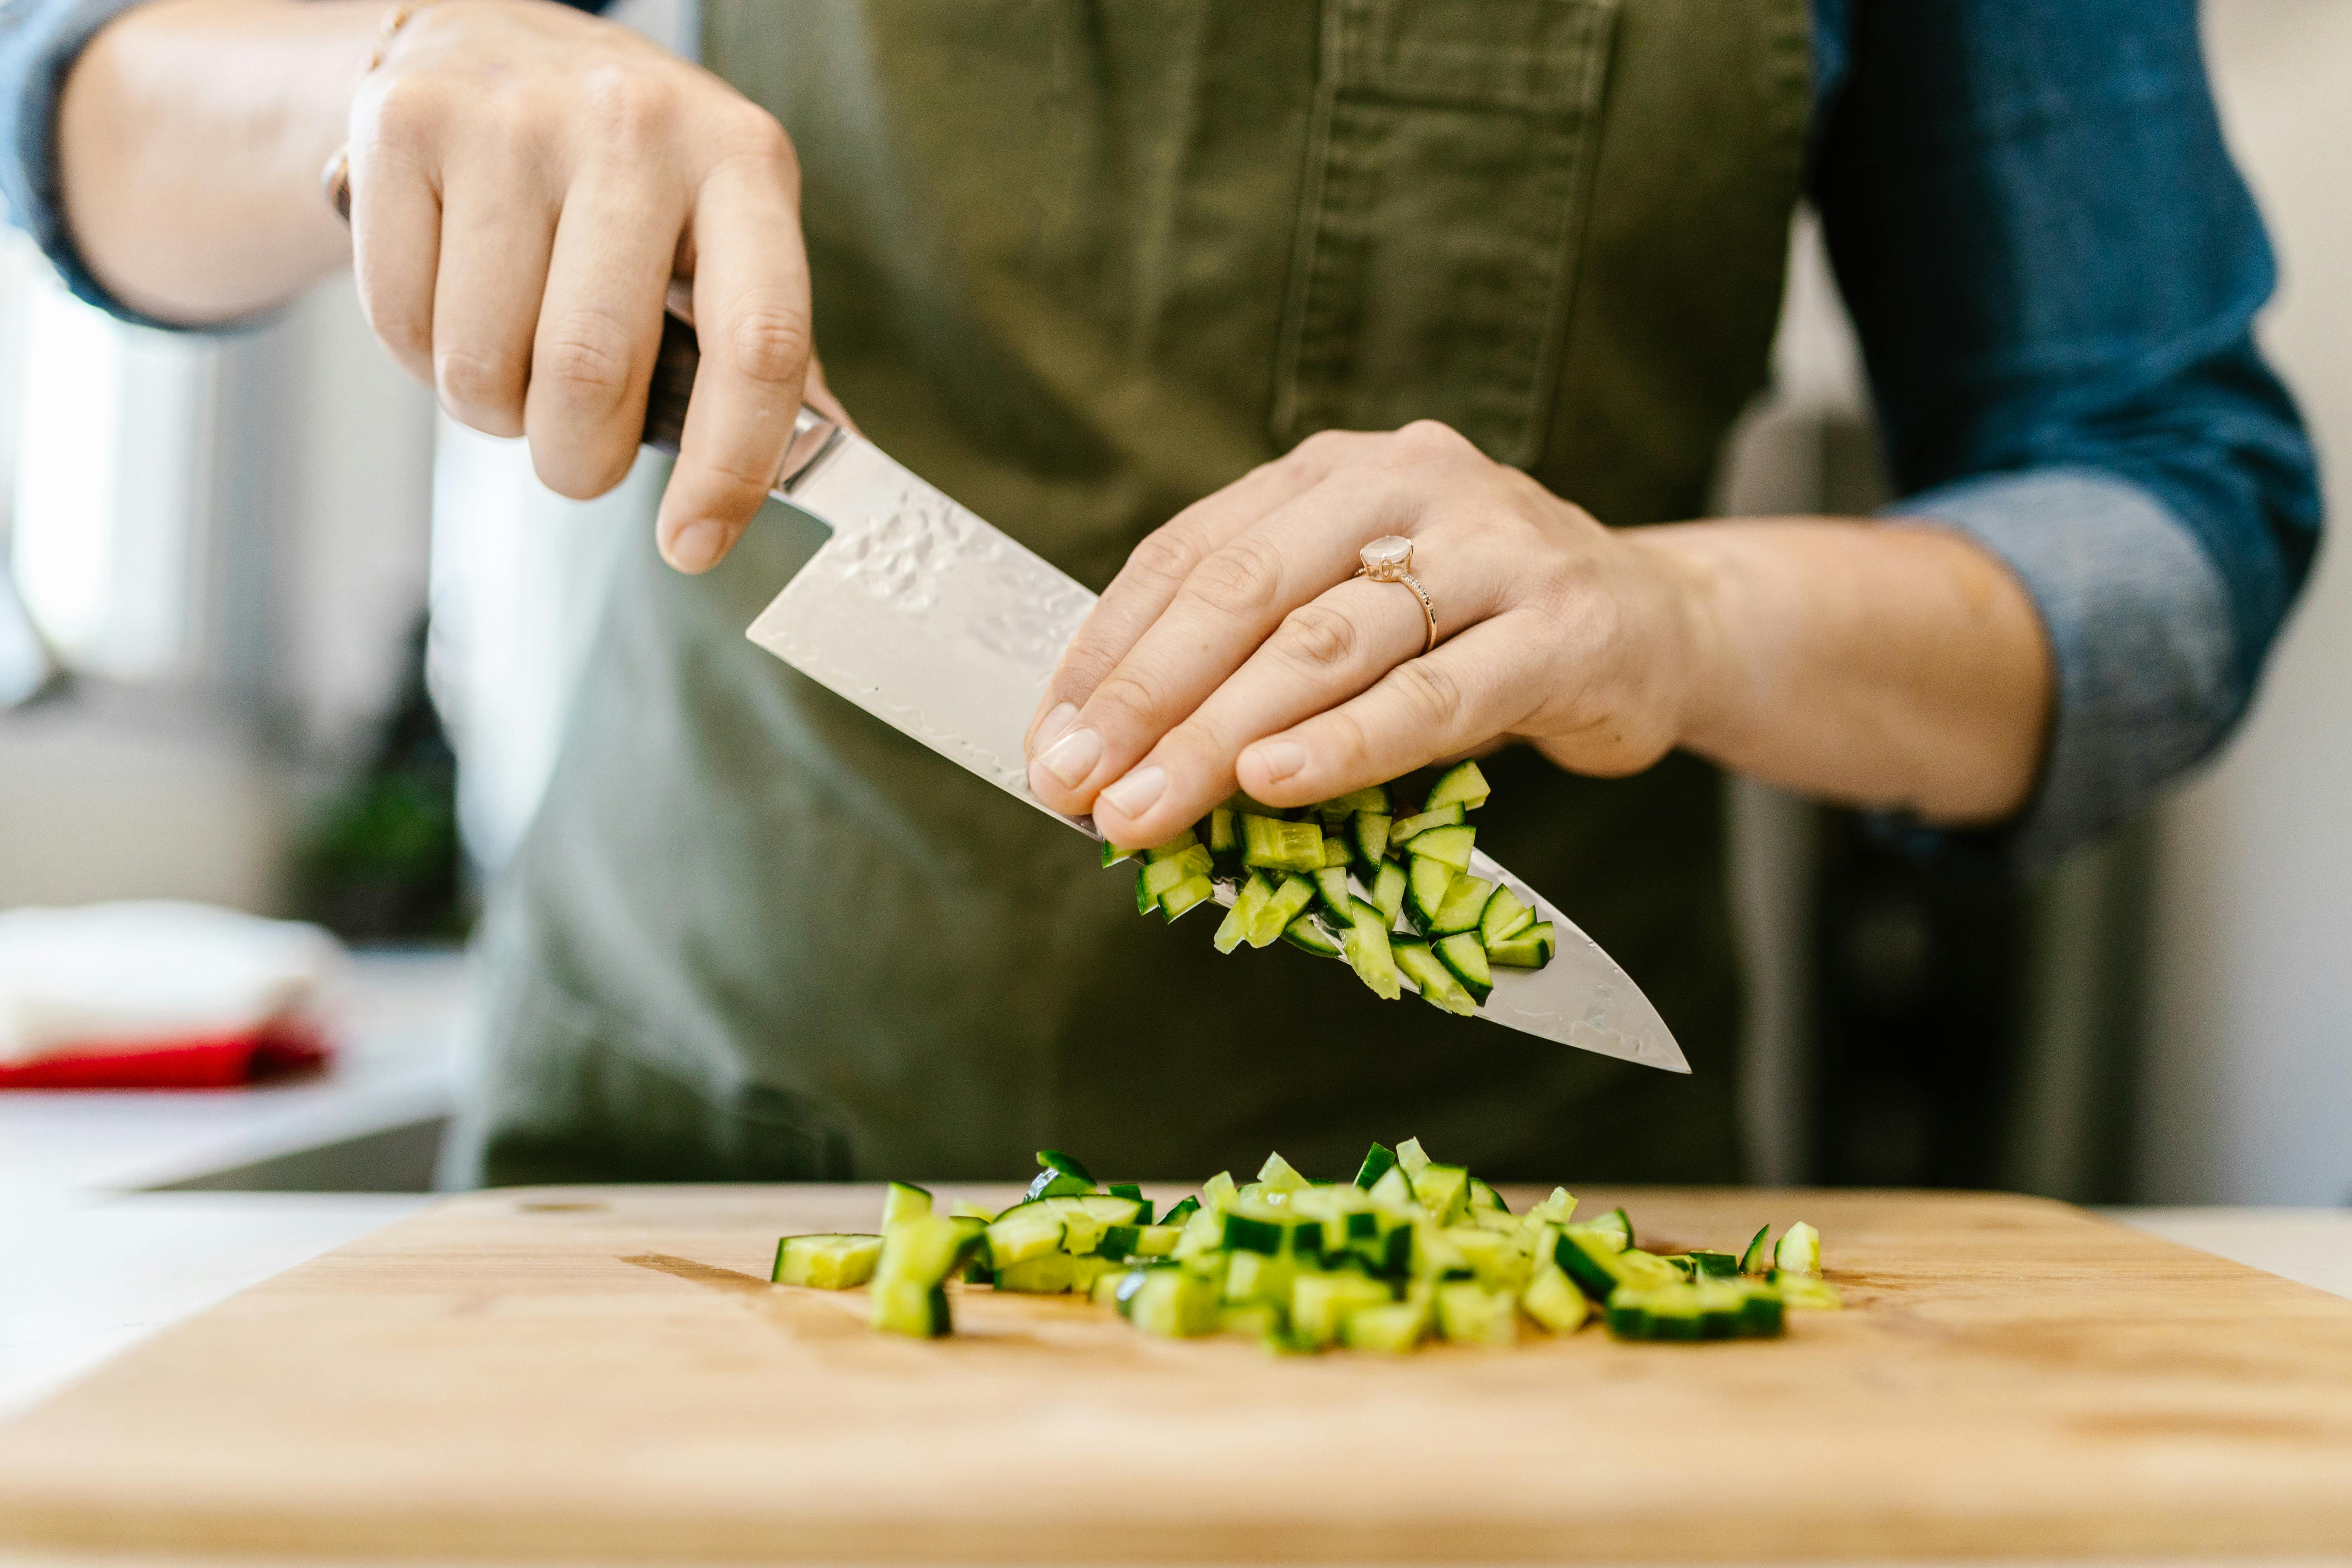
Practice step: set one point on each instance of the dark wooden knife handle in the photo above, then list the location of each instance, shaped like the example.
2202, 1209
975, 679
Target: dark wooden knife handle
673, 383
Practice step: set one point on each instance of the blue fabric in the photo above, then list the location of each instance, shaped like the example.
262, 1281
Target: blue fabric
2053, 268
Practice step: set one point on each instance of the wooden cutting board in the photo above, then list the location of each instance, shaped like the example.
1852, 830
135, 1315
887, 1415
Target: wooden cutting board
578, 1373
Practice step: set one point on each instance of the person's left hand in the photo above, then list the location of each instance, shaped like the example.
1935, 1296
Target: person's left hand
1235, 648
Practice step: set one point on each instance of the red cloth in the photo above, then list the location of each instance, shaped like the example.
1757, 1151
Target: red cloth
222, 1061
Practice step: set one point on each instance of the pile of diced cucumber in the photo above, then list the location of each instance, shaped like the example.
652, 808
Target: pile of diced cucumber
1353, 879
1410, 1250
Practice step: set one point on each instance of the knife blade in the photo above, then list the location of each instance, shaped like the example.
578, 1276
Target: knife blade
947, 630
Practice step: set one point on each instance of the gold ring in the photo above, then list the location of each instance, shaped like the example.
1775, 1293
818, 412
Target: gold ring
1389, 559
335, 179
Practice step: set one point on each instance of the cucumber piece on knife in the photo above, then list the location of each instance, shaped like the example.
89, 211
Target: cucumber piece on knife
1187, 895
1245, 912
1503, 917
1450, 845
1464, 900
1390, 885
1270, 844
1372, 832
1307, 934
1367, 949
1531, 948
1431, 977
1290, 896
1427, 884
1405, 830
1461, 785
1371, 798
1466, 961
1331, 892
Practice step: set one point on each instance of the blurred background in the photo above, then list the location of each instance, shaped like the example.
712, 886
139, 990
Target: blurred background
275, 635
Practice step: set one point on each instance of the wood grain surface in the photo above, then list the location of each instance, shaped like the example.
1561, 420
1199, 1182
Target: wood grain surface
604, 1373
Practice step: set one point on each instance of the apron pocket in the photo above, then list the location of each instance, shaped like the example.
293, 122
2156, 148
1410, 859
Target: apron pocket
1443, 204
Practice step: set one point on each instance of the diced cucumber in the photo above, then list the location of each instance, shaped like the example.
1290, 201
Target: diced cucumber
1552, 1300
1405, 830
1367, 949
1557, 1209
1130, 1190
902, 1202
1023, 1233
1466, 960
1393, 1189
910, 1306
1157, 877
925, 1249
1320, 1303
1372, 798
1461, 785
1260, 1320
1531, 948
1112, 854
1307, 934
1450, 844
960, 1209
1617, 1222
1331, 892
1335, 849
1154, 1240
1280, 1175
1504, 916
1271, 844
1588, 1259
1388, 889
1255, 1277
1483, 1196
1494, 1256
1758, 1258
826, 1262
1225, 835
1800, 1251
1463, 902
1294, 893
1470, 1314
1175, 847
1412, 1157
1217, 1191
1146, 900
1429, 881
1372, 832
1392, 1329
1714, 1265
1810, 1292
1182, 1211
1431, 977
1186, 895
1243, 914
1443, 1190
1378, 1160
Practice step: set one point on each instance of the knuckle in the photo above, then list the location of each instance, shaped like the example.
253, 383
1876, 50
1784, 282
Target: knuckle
767, 343
748, 132
1317, 636
1431, 694
1239, 581
626, 104
1124, 698
406, 109
1431, 438
1343, 740
1164, 559
584, 358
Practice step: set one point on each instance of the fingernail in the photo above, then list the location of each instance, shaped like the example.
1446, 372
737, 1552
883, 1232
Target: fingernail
696, 546
1055, 721
1281, 759
1073, 757
1134, 794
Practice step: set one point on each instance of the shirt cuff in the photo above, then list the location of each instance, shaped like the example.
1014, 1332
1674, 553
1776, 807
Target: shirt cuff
2138, 622
39, 42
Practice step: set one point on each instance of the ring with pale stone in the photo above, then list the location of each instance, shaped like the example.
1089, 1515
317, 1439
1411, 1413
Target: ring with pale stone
1389, 559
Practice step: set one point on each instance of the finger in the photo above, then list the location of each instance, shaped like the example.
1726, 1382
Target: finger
395, 246
599, 329
1322, 654
492, 271
1474, 687
752, 315
1226, 607
1156, 569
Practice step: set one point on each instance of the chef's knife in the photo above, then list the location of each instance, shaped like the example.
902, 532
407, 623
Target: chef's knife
947, 630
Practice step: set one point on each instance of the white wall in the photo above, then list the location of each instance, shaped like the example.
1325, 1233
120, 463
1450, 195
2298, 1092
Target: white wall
2248, 1097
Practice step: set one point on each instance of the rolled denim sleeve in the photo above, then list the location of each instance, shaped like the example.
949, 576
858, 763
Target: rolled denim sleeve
2053, 268
39, 41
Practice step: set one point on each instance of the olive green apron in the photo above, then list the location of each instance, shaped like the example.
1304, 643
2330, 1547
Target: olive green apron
1079, 264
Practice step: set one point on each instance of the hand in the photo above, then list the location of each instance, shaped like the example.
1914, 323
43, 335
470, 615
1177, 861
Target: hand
1234, 649
528, 184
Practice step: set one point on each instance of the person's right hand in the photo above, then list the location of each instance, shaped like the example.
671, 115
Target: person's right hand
527, 181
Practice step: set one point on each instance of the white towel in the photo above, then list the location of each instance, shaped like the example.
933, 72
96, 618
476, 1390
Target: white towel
116, 976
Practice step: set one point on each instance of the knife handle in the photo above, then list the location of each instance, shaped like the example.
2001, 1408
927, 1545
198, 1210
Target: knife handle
813, 434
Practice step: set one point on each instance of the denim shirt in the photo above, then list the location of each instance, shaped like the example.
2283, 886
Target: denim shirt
2054, 268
